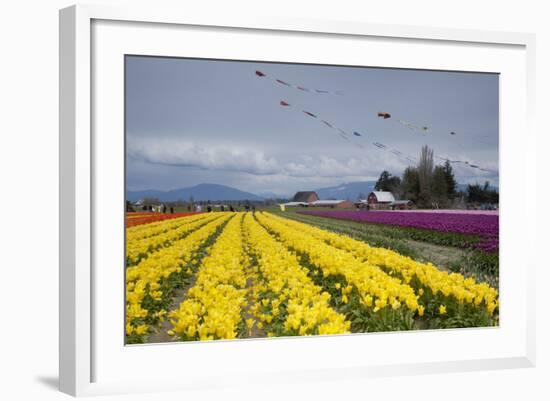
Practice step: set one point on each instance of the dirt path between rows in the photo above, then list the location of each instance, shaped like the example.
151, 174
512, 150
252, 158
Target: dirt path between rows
160, 335
441, 256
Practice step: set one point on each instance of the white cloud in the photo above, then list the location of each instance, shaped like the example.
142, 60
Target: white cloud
224, 158
246, 159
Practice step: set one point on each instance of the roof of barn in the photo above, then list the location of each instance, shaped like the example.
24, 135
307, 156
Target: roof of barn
303, 196
383, 196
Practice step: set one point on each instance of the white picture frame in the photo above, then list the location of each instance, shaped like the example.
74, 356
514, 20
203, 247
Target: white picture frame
81, 213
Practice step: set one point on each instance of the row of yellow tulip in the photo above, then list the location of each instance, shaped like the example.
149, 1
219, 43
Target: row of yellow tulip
212, 308
376, 288
462, 290
144, 279
287, 302
138, 249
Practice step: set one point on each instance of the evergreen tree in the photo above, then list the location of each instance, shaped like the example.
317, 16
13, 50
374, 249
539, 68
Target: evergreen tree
450, 179
439, 192
410, 185
478, 194
387, 182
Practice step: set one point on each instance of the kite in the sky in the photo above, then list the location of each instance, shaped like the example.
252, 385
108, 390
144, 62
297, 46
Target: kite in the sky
344, 135
381, 114
482, 139
412, 126
464, 162
299, 87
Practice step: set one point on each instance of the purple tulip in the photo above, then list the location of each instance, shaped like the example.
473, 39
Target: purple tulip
486, 226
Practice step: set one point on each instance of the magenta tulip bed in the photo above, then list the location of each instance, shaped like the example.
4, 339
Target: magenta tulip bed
486, 227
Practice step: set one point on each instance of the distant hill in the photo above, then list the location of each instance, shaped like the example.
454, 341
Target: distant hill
201, 192
271, 195
217, 192
349, 190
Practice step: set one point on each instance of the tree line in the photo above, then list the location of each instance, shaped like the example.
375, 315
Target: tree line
433, 186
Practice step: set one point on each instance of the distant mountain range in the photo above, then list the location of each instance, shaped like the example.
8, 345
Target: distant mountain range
348, 190
201, 192
217, 192
271, 195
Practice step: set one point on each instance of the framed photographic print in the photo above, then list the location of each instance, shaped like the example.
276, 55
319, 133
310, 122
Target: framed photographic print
340, 200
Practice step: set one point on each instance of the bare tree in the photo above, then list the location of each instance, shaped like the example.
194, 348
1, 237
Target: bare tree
425, 175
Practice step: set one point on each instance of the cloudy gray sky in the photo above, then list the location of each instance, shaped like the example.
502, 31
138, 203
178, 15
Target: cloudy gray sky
194, 121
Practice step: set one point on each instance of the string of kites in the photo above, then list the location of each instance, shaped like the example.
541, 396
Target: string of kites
298, 87
348, 137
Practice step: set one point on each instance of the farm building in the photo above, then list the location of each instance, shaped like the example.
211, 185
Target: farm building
401, 205
335, 204
295, 204
152, 205
380, 199
305, 196
383, 200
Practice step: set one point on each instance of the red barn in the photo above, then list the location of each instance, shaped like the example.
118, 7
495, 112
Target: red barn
305, 196
380, 199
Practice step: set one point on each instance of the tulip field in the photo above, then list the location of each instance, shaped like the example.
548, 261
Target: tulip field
484, 226
230, 275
